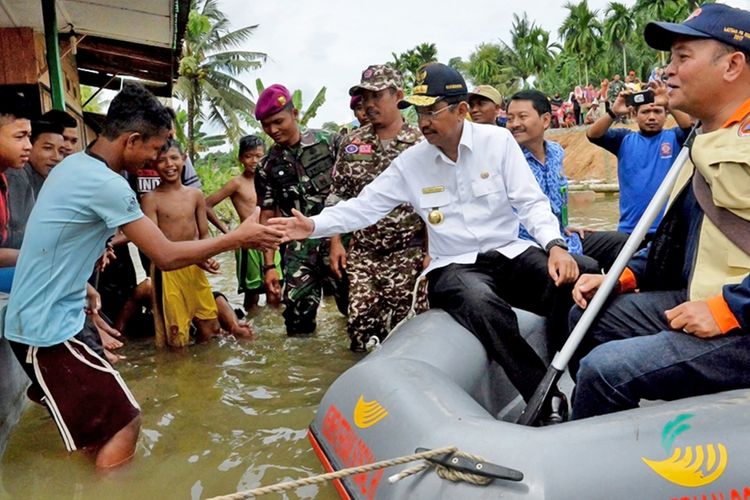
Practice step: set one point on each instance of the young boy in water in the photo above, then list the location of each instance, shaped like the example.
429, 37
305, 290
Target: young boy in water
183, 294
241, 191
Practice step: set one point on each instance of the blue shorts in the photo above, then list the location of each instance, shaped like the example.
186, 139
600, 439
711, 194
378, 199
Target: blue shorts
6, 278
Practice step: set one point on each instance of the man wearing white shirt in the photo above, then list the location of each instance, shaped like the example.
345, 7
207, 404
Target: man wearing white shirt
465, 181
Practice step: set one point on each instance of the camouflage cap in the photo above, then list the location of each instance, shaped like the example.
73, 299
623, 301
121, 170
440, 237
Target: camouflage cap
378, 77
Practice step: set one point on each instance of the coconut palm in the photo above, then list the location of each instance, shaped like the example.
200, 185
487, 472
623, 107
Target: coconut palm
409, 62
209, 71
618, 28
581, 32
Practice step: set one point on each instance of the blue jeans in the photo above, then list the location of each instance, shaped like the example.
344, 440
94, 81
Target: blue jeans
639, 357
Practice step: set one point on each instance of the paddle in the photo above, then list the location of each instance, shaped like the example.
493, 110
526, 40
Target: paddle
562, 358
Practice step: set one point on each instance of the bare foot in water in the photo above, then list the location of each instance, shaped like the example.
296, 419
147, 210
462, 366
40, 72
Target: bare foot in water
112, 357
109, 342
106, 333
242, 330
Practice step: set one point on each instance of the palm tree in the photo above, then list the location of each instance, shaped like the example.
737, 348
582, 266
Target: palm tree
209, 70
619, 27
581, 32
409, 62
490, 64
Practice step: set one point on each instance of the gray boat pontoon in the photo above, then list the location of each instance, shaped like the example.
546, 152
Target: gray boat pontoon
430, 385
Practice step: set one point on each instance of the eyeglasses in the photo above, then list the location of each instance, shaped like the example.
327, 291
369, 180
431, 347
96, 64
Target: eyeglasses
432, 114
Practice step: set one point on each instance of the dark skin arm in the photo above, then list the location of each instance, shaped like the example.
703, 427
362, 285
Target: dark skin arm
168, 255
214, 199
271, 278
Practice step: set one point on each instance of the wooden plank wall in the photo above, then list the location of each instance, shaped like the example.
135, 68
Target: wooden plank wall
18, 57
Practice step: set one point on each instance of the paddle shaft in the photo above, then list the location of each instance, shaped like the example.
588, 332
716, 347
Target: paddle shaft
652, 211
562, 358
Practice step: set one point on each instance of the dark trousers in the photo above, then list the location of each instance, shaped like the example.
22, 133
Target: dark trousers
603, 246
479, 297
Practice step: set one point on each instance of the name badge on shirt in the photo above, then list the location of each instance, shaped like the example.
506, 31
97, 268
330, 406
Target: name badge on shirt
433, 189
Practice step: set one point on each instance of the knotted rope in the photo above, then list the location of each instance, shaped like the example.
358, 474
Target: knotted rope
351, 471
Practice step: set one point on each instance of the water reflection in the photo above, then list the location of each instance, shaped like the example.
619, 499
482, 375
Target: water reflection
220, 417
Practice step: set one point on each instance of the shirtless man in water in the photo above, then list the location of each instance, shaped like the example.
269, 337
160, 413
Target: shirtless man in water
184, 295
241, 191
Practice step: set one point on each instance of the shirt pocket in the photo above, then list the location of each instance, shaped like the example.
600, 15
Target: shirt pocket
434, 200
484, 187
737, 259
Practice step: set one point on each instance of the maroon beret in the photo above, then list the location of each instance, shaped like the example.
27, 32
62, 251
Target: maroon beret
354, 101
272, 100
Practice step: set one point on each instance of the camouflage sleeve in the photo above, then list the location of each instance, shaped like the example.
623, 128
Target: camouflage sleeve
263, 186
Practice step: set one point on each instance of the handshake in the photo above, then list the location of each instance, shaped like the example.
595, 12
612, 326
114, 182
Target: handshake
277, 230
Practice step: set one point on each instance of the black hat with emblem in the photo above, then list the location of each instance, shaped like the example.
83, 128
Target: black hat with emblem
435, 81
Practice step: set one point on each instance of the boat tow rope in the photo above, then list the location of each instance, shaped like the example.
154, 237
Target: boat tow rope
443, 471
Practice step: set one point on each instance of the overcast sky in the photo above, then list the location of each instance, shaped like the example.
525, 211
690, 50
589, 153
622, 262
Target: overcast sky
312, 44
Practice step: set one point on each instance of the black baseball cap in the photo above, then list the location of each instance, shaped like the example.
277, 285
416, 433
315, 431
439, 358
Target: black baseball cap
716, 21
435, 81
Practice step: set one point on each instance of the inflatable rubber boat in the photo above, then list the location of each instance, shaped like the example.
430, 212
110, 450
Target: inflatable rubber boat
430, 385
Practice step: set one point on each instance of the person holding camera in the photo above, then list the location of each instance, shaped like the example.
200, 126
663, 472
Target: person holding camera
643, 156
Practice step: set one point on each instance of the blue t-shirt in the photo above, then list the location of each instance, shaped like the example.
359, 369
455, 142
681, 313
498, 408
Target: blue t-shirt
551, 178
80, 205
642, 163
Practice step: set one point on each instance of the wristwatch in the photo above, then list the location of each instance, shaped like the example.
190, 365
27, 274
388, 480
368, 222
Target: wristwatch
268, 267
557, 242
612, 114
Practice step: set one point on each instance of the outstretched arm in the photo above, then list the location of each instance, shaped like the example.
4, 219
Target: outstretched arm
168, 255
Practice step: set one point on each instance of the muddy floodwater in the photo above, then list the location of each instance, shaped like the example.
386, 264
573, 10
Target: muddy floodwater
223, 416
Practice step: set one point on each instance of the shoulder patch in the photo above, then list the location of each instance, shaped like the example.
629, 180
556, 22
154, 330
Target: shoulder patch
351, 149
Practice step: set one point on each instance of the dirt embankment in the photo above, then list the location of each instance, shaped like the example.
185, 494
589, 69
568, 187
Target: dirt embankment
583, 160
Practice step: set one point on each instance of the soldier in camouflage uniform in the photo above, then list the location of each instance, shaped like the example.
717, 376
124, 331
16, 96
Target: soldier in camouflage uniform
295, 174
384, 260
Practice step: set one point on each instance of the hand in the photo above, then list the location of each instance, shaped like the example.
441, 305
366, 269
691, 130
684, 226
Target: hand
93, 301
107, 257
661, 93
337, 254
585, 288
298, 227
210, 265
426, 261
254, 235
561, 266
694, 318
273, 287
580, 230
619, 107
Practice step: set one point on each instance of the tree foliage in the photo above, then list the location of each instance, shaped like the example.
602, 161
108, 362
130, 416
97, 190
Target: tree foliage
592, 45
209, 72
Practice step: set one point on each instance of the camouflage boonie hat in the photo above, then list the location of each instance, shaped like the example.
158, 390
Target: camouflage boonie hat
378, 77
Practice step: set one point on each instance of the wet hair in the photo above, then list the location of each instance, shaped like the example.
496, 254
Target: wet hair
60, 117
13, 106
45, 127
538, 100
173, 143
250, 142
135, 109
